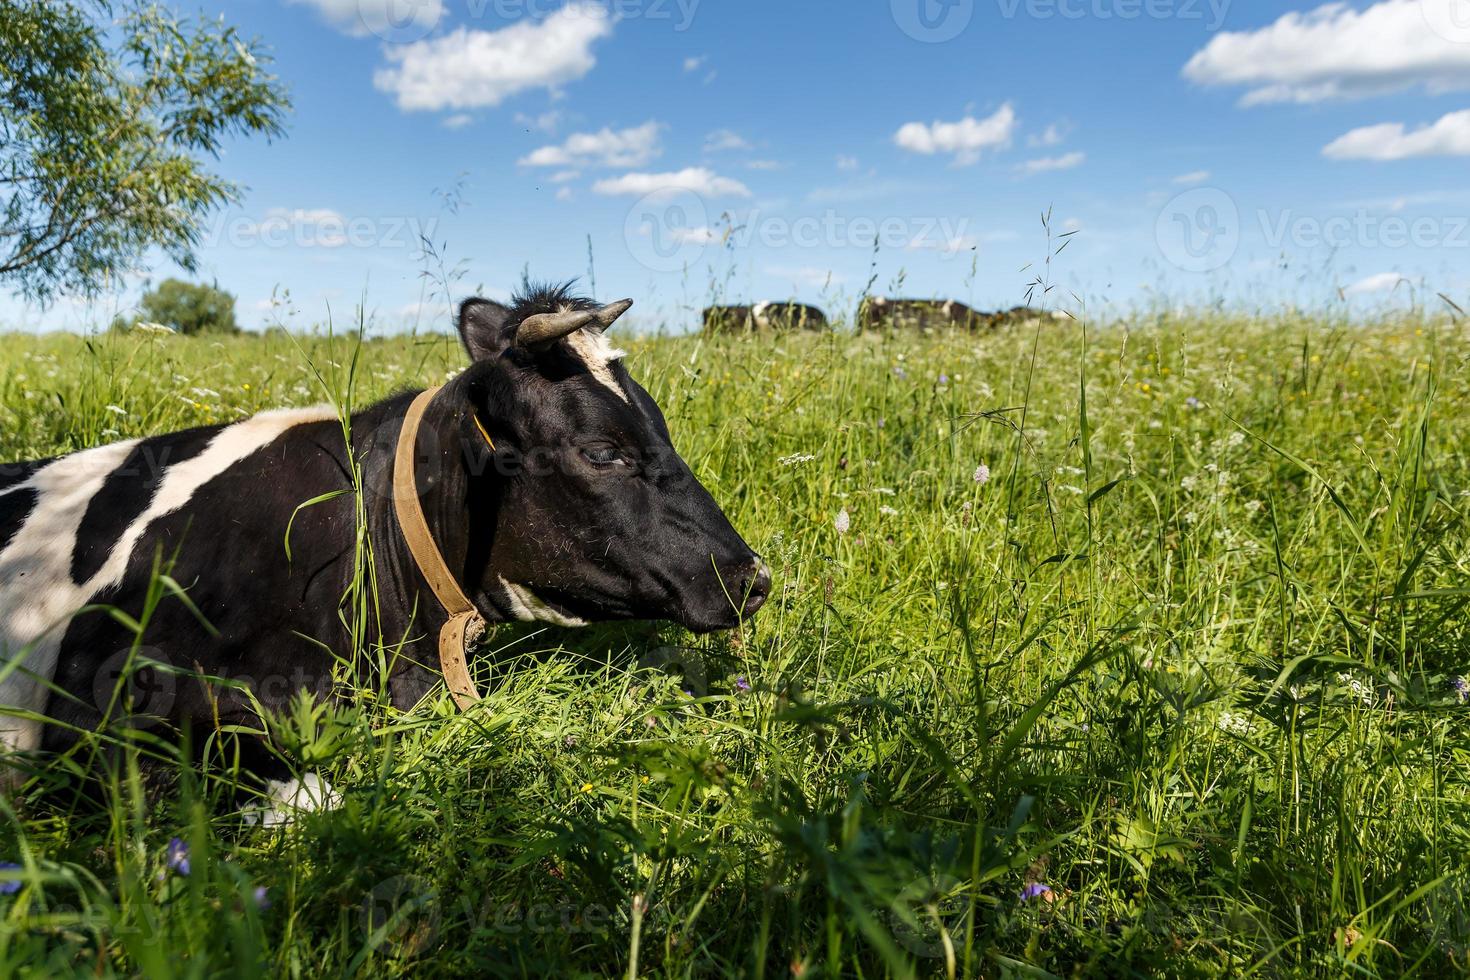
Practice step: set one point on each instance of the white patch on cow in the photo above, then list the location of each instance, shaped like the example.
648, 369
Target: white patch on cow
758, 314
37, 594
36, 590
598, 353
528, 607
291, 798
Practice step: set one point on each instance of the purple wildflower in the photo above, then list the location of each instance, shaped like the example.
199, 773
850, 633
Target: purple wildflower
944, 379
262, 897
12, 886
742, 685
1462, 688
177, 856
982, 474
899, 372
1034, 889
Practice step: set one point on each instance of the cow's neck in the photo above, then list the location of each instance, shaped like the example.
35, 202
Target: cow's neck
460, 504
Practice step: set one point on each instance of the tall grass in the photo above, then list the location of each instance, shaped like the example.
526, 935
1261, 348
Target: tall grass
1173, 690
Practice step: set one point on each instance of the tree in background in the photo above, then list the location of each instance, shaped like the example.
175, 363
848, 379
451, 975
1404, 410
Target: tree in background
107, 111
189, 308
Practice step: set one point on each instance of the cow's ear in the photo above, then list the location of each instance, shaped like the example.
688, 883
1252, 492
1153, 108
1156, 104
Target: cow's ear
482, 327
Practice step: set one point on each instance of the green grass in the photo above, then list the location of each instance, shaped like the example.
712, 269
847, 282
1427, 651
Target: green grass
1187, 658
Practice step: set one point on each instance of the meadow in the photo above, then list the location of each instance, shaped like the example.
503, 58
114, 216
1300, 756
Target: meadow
1095, 649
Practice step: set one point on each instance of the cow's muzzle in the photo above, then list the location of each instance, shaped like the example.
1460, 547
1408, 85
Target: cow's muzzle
755, 587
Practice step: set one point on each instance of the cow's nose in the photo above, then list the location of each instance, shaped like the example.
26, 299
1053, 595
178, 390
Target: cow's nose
756, 587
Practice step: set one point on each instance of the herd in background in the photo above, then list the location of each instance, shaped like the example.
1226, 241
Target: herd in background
874, 313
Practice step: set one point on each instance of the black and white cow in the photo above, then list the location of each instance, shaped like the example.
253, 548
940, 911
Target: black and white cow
764, 316
925, 314
880, 312
581, 512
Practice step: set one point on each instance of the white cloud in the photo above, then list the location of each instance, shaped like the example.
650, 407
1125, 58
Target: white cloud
564, 194
1046, 164
1053, 135
947, 246
545, 122
471, 69
765, 165
385, 18
1193, 177
609, 148
702, 235
562, 176
694, 63
806, 275
725, 139
1449, 137
1339, 52
427, 311
966, 140
1380, 283
458, 121
306, 227
847, 162
698, 180
866, 189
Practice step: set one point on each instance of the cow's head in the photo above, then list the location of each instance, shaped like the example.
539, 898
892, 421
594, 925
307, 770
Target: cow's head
595, 516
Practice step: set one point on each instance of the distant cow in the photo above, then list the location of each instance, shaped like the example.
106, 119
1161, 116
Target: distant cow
547, 481
764, 316
924, 314
929, 314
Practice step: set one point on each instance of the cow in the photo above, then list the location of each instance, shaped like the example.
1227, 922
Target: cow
547, 482
925, 314
928, 314
764, 316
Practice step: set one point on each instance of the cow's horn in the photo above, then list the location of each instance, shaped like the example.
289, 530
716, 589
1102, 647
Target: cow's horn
545, 328
609, 314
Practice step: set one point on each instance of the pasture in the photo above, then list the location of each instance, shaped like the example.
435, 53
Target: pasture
1132, 649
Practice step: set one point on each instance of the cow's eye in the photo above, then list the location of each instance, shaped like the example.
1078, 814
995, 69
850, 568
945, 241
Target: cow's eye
605, 456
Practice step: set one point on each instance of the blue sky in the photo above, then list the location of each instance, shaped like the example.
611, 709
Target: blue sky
1262, 153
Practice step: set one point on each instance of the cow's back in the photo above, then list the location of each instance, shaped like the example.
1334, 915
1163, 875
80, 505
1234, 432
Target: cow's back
77, 531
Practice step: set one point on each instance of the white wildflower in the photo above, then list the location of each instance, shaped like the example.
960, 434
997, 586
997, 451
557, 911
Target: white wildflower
115, 410
982, 474
842, 522
887, 511
1359, 690
1233, 724
796, 459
